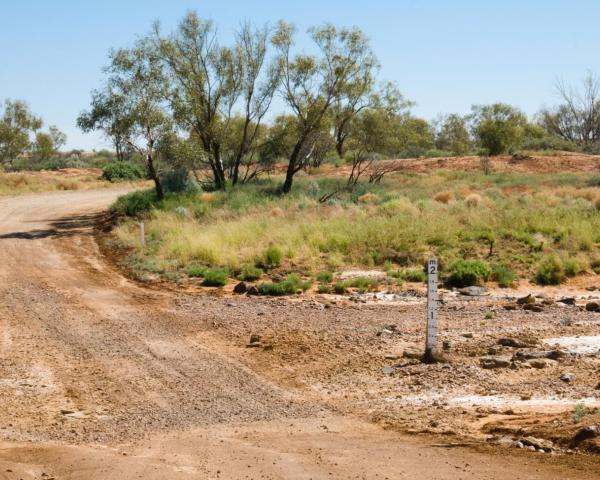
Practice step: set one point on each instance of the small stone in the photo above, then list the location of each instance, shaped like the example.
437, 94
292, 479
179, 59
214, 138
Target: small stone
537, 443
519, 445
494, 362
510, 306
513, 342
529, 299
446, 345
253, 290
541, 363
567, 300
592, 307
585, 433
254, 338
532, 307
67, 412
391, 357
240, 288
467, 335
473, 291
412, 353
387, 371
568, 377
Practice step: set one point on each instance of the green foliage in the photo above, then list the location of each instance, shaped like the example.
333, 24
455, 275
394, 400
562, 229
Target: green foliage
414, 275
324, 277
176, 180
271, 257
323, 288
550, 271
489, 315
134, 203
579, 412
503, 275
453, 135
595, 264
498, 127
291, 285
17, 124
464, 273
572, 267
196, 271
250, 273
215, 278
340, 288
121, 170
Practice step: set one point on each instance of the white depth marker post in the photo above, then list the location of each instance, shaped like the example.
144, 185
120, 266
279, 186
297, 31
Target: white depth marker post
142, 234
431, 339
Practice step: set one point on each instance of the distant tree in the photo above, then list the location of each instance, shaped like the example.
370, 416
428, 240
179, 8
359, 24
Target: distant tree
59, 139
452, 134
136, 76
577, 119
210, 81
109, 114
17, 124
312, 84
498, 128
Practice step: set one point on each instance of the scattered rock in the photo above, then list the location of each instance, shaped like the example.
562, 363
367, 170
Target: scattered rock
387, 371
509, 306
412, 353
67, 412
254, 338
528, 300
568, 377
598, 386
391, 357
533, 307
446, 345
536, 354
514, 342
494, 362
567, 300
473, 291
467, 335
537, 443
240, 288
585, 433
541, 362
253, 290
592, 307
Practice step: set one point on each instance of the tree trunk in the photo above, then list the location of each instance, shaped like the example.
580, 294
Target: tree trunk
292, 169
160, 194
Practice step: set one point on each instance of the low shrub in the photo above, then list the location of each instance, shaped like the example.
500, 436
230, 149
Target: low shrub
271, 257
550, 271
177, 180
134, 203
595, 264
324, 277
340, 288
464, 273
416, 275
291, 285
572, 267
443, 197
250, 273
504, 276
324, 288
195, 271
215, 278
120, 171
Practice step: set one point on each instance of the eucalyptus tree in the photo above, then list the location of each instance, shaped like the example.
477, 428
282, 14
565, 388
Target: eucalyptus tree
137, 84
109, 114
312, 84
17, 124
210, 82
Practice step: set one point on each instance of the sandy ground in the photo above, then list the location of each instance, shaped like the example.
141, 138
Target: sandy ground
102, 378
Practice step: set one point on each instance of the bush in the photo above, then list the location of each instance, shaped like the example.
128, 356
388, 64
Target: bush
289, 286
215, 278
464, 273
177, 180
572, 267
339, 288
271, 257
134, 203
414, 275
324, 277
595, 264
119, 171
550, 272
196, 271
324, 289
250, 273
504, 276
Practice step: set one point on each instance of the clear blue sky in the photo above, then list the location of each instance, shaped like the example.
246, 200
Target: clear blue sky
444, 55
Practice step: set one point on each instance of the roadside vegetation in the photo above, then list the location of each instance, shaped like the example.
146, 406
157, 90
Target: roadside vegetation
500, 227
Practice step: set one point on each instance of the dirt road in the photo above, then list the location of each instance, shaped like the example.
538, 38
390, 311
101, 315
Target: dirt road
102, 379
